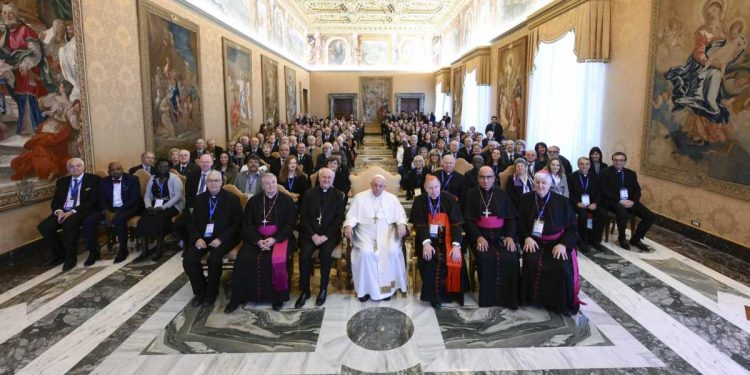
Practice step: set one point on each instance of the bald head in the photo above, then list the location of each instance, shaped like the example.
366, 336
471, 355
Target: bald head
449, 162
486, 177
325, 178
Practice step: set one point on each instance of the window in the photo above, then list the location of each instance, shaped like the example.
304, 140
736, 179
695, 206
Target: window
565, 100
442, 102
475, 110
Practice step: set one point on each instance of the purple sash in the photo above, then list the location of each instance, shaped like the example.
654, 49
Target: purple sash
278, 259
574, 261
492, 222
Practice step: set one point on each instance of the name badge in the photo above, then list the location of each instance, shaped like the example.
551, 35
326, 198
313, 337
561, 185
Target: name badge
69, 204
538, 228
623, 194
209, 230
433, 230
590, 223
585, 200
159, 202
417, 192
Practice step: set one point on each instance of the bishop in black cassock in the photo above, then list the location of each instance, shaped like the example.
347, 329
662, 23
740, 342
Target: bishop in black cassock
490, 220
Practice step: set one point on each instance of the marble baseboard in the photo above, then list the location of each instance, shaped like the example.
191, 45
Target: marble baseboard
713, 241
21, 253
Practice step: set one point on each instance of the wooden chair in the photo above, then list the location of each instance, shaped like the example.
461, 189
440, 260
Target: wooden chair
504, 176
313, 179
462, 166
102, 173
231, 256
143, 178
611, 224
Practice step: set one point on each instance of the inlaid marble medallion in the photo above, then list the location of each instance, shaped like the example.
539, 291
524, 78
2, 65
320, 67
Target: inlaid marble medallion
380, 328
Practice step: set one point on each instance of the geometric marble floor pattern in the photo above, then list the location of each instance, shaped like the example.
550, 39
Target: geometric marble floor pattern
645, 313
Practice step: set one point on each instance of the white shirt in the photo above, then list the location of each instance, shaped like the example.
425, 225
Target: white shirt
117, 194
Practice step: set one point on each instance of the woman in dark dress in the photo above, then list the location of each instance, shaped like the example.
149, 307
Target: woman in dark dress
293, 179
163, 201
597, 164
415, 178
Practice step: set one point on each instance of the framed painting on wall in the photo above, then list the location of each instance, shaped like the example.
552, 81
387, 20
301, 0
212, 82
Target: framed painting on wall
290, 87
238, 85
376, 97
170, 69
269, 70
697, 118
511, 88
45, 115
457, 91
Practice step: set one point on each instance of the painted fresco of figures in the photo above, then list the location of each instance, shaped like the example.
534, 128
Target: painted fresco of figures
699, 123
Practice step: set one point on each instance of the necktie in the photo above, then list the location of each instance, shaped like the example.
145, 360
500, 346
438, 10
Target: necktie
74, 190
202, 185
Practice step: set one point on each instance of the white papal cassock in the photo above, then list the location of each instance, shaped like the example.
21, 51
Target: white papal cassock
377, 261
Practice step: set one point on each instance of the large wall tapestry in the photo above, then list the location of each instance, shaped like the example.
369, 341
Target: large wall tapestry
698, 100
238, 85
269, 70
170, 66
511, 88
457, 92
376, 96
290, 86
44, 119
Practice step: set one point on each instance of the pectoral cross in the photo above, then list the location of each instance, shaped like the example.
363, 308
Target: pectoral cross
319, 219
486, 212
264, 222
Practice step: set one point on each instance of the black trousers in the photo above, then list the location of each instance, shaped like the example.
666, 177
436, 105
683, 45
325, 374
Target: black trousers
594, 235
307, 247
638, 210
64, 248
119, 223
191, 262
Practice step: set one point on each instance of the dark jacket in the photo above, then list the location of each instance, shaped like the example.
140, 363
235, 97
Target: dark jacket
227, 218
88, 201
130, 192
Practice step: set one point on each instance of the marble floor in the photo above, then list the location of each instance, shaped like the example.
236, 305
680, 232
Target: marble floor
683, 309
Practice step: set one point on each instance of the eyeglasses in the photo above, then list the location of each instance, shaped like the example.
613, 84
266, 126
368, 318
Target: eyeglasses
490, 176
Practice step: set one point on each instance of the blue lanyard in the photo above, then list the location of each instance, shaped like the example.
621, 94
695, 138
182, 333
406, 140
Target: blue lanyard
445, 183
585, 187
212, 203
433, 210
541, 211
161, 187
290, 184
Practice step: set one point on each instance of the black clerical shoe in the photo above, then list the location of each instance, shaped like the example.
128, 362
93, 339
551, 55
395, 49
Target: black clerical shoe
584, 248
598, 246
51, 262
435, 305
68, 266
277, 306
301, 300
623, 244
93, 257
207, 303
642, 246
321, 297
196, 301
144, 255
157, 254
231, 307
365, 298
121, 255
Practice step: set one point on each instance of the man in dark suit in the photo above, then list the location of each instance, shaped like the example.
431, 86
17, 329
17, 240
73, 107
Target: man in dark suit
185, 167
450, 180
200, 149
214, 230
276, 163
409, 154
508, 154
76, 197
147, 163
495, 128
195, 183
622, 194
213, 149
586, 197
119, 200
304, 158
